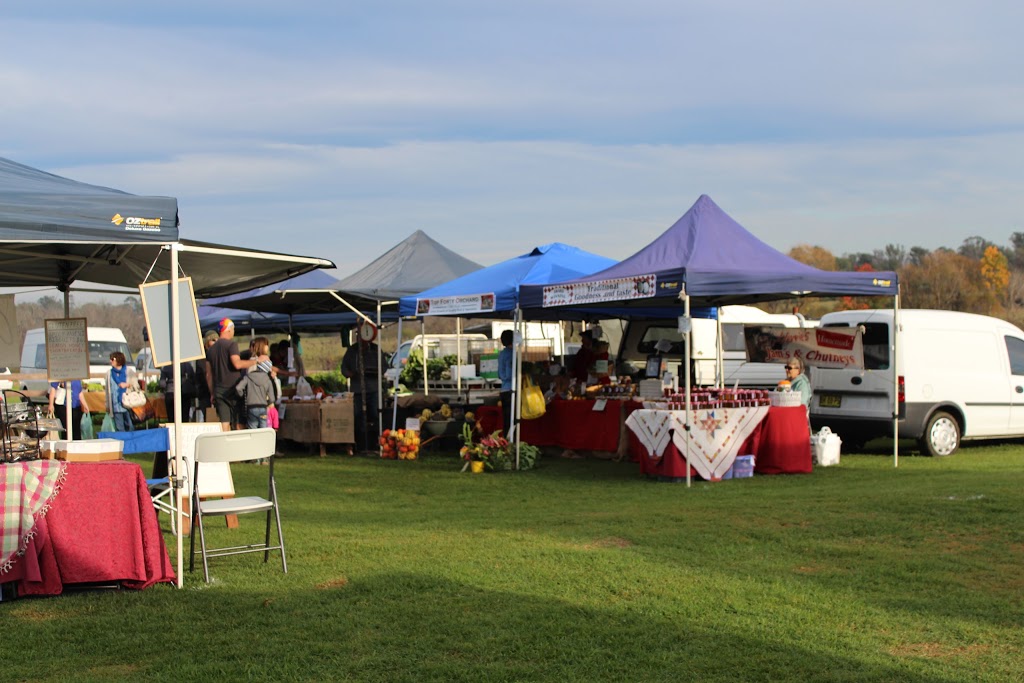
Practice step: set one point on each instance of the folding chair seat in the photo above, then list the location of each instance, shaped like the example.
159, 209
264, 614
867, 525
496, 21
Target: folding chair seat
228, 447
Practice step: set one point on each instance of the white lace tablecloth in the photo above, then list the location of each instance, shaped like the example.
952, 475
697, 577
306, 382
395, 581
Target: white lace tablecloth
714, 439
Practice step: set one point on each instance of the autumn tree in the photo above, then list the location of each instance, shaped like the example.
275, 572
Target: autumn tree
995, 274
944, 280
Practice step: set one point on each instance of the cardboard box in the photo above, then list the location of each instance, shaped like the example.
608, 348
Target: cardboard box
91, 450
330, 421
337, 421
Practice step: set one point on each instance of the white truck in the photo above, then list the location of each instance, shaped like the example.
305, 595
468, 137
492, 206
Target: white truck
641, 337
102, 342
961, 377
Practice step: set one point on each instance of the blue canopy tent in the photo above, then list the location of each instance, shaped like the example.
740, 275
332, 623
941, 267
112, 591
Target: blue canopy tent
706, 258
494, 291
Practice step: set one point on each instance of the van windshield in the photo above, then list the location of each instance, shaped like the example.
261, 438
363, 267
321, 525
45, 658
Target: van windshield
654, 334
99, 352
876, 344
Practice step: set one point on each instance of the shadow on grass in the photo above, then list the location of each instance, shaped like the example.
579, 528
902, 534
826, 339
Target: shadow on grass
405, 627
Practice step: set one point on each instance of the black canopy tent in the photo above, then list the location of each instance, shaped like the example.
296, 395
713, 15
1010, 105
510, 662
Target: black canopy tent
55, 232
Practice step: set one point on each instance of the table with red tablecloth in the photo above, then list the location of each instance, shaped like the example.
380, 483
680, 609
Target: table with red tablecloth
779, 442
99, 526
782, 444
568, 424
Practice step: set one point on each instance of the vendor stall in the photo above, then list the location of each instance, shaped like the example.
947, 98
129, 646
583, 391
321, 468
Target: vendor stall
704, 259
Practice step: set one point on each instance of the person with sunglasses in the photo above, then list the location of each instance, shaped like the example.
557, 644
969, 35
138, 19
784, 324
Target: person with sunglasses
797, 378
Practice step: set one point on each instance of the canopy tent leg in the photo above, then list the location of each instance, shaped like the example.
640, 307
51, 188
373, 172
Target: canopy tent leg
895, 379
394, 382
687, 378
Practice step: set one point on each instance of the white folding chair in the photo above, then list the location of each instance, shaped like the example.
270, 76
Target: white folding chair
241, 445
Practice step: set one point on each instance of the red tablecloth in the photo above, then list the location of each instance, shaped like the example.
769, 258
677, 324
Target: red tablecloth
782, 443
568, 424
101, 528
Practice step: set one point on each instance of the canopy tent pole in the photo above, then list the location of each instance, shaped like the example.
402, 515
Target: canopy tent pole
458, 356
176, 487
720, 351
380, 385
394, 382
425, 351
517, 380
687, 378
895, 379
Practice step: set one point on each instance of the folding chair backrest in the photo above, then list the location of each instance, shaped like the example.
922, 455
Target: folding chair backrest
244, 444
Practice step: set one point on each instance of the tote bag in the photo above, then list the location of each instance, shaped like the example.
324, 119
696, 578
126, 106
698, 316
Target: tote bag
533, 400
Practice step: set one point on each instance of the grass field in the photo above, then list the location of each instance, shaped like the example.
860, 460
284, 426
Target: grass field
580, 570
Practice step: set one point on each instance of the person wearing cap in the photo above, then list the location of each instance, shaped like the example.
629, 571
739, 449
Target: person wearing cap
224, 367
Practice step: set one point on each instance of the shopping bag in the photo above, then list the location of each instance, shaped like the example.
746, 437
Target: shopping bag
108, 424
133, 398
87, 430
533, 405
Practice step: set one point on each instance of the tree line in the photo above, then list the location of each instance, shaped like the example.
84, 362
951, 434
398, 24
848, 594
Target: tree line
977, 277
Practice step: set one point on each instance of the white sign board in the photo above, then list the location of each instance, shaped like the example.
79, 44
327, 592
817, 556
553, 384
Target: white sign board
617, 289
156, 306
67, 349
456, 305
216, 476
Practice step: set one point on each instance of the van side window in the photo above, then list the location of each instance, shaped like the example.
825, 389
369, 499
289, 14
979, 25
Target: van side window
1015, 348
41, 356
733, 337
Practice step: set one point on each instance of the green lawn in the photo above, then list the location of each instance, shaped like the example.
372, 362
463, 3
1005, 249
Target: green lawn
580, 570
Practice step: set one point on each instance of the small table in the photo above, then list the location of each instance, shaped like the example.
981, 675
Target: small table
99, 527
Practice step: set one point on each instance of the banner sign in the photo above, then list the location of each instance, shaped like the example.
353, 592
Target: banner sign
819, 347
455, 305
619, 289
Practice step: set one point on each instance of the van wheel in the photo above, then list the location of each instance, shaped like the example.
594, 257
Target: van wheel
941, 435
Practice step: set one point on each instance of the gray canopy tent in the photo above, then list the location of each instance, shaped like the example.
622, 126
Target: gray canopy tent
55, 232
415, 264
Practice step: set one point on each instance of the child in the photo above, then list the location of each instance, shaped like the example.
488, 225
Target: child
257, 387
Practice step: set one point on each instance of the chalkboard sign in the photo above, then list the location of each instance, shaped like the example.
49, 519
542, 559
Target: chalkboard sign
67, 349
156, 306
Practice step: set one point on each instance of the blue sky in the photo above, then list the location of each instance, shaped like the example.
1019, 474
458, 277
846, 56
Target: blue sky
338, 128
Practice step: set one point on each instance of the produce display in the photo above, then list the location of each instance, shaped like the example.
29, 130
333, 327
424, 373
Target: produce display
399, 444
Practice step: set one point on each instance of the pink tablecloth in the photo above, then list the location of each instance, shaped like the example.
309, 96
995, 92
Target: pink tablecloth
101, 528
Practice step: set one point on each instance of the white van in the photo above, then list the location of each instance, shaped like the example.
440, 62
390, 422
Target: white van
641, 336
102, 342
961, 376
